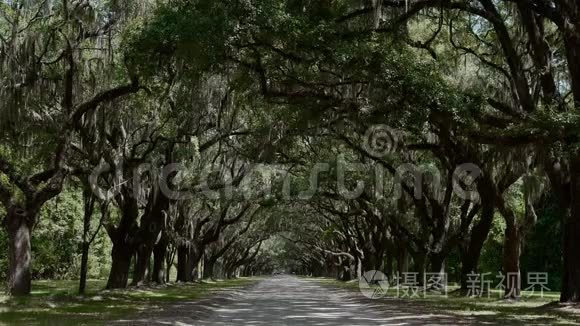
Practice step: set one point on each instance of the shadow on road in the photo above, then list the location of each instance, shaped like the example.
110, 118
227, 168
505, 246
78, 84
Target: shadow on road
288, 300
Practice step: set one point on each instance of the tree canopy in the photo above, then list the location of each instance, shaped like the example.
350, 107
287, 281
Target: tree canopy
324, 137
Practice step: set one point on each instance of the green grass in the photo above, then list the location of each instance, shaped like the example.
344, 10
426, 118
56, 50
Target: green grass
56, 302
532, 308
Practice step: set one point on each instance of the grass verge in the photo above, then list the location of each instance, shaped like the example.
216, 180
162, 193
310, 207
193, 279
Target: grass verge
56, 302
531, 309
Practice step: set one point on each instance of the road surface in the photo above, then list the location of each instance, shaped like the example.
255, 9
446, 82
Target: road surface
289, 300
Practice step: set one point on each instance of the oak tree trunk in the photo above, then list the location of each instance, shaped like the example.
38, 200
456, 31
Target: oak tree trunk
182, 264
571, 247
402, 261
84, 267
141, 265
159, 254
389, 266
18, 225
208, 270
89, 205
194, 256
511, 263
121, 264
479, 233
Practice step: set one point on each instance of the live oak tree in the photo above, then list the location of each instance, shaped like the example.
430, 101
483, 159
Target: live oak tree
113, 93
489, 29
46, 71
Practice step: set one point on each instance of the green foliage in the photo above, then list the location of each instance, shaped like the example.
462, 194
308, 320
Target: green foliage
3, 254
57, 239
543, 247
197, 32
491, 255
271, 81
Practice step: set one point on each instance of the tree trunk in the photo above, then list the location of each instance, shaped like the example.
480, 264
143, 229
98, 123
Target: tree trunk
194, 256
182, 263
389, 266
571, 225
572, 47
169, 263
571, 277
149, 234
18, 225
159, 253
121, 264
344, 271
218, 270
208, 270
89, 205
402, 261
419, 260
511, 263
141, 265
123, 239
438, 263
84, 267
479, 233
437, 267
